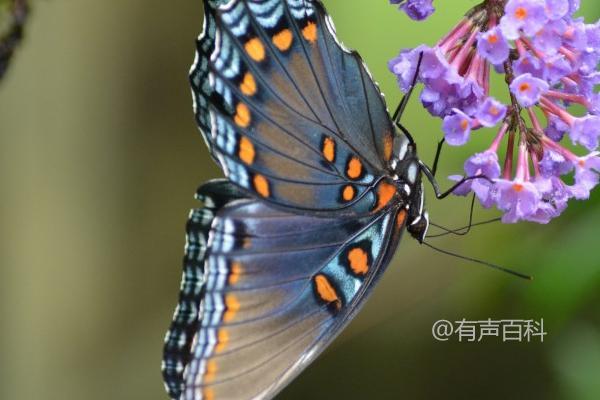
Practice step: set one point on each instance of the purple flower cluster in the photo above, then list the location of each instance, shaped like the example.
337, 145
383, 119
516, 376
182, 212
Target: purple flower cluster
550, 60
416, 9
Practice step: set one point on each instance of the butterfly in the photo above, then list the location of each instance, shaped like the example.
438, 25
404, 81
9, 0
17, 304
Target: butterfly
321, 184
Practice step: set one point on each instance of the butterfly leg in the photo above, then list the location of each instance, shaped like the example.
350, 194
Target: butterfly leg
402, 106
436, 187
438, 153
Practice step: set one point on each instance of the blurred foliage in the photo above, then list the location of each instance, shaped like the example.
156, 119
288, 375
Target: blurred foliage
99, 159
12, 18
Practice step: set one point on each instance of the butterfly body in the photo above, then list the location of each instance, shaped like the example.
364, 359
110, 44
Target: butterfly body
320, 187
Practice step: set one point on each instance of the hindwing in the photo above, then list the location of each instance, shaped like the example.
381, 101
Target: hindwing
178, 341
277, 287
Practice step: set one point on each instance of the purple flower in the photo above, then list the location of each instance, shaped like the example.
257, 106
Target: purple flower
492, 45
471, 94
444, 88
485, 164
556, 128
575, 35
555, 196
434, 65
528, 89
416, 9
519, 199
585, 131
554, 164
441, 95
574, 6
557, 9
527, 15
557, 66
594, 103
529, 64
404, 66
550, 39
462, 190
490, 113
586, 175
457, 128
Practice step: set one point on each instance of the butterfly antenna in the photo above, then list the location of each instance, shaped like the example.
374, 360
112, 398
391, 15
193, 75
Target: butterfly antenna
459, 231
485, 263
400, 109
466, 229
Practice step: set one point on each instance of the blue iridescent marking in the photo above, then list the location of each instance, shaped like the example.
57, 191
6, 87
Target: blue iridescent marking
348, 284
268, 13
300, 9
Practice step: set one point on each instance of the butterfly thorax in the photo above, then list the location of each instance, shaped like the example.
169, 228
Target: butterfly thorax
407, 176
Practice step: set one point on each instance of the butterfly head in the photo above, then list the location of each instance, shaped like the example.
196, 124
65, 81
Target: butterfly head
408, 174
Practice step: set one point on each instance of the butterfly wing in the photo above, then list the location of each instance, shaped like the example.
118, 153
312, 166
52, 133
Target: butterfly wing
178, 341
290, 114
278, 264
277, 288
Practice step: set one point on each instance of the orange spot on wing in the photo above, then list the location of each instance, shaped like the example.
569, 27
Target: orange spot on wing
329, 149
248, 85
310, 32
388, 146
242, 116
348, 193
354, 169
234, 273
401, 218
211, 371
222, 340
261, 185
246, 152
385, 193
208, 394
232, 305
359, 261
283, 39
326, 291
255, 49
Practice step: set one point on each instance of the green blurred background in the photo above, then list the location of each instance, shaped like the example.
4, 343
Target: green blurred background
99, 160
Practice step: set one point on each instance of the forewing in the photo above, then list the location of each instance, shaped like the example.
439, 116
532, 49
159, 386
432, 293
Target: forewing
278, 288
290, 114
